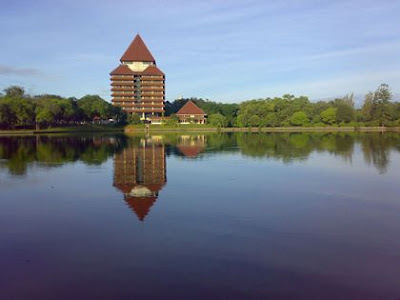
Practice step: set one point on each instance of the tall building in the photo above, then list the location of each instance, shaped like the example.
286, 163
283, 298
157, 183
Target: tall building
137, 85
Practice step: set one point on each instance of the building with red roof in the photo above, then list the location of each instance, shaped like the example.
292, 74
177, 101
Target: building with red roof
137, 84
190, 113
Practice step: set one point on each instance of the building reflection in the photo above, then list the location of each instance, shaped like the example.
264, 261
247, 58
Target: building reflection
191, 146
140, 173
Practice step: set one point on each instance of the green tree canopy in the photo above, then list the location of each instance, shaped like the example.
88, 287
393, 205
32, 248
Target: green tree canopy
218, 120
134, 119
299, 118
328, 116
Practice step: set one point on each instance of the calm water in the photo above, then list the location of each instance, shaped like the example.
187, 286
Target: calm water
276, 216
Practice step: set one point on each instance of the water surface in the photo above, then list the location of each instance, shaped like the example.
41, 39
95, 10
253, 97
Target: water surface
277, 216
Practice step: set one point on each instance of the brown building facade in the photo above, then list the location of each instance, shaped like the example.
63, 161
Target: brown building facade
137, 85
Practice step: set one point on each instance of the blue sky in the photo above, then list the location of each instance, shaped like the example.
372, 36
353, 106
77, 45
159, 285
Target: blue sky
226, 51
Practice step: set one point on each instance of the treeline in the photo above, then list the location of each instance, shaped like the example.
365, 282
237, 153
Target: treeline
378, 109
20, 110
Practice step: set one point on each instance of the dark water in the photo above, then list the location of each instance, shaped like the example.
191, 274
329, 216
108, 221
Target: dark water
266, 216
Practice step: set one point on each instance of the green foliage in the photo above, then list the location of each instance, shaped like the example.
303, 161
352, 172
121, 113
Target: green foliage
328, 116
380, 104
299, 119
344, 113
23, 110
7, 116
134, 119
94, 106
377, 108
270, 120
14, 91
272, 112
172, 120
19, 110
217, 120
366, 110
119, 115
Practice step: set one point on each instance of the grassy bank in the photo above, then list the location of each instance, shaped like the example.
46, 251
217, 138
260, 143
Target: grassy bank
70, 129
209, 128
188, 128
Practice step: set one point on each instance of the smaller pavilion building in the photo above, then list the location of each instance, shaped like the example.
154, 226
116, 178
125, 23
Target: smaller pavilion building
190, 113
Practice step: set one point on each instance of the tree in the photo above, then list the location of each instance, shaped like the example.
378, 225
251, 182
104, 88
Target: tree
23, 109
254, 121
119, 115
299, 118
172, 120
344, 113
366, 110
270, 120
46, 112
7, 116
14, 91
218, 120
380, 104
134, 119
94, 105
328, 116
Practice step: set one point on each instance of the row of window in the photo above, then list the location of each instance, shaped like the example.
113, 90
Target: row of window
137, 102
137, 81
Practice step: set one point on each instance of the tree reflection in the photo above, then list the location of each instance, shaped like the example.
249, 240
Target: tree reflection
17, 153
376, 148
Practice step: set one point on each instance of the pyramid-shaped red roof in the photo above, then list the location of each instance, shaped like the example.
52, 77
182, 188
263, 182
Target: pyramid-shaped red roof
152, 70
190, 109
137, 51
122, 70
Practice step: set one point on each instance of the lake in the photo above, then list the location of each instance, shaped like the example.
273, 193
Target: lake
200, 216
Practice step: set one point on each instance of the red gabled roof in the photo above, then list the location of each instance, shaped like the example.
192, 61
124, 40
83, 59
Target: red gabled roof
152, 70
190, 109
122, 70
137, 51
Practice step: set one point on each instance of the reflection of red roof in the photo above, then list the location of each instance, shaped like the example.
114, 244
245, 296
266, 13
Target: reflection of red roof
137, 51
152, 70
190, 151
140, 205
190, 109
122, 70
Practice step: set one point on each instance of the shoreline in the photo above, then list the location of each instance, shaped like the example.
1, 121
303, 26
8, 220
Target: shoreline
66, 130
264, 129
130, 130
